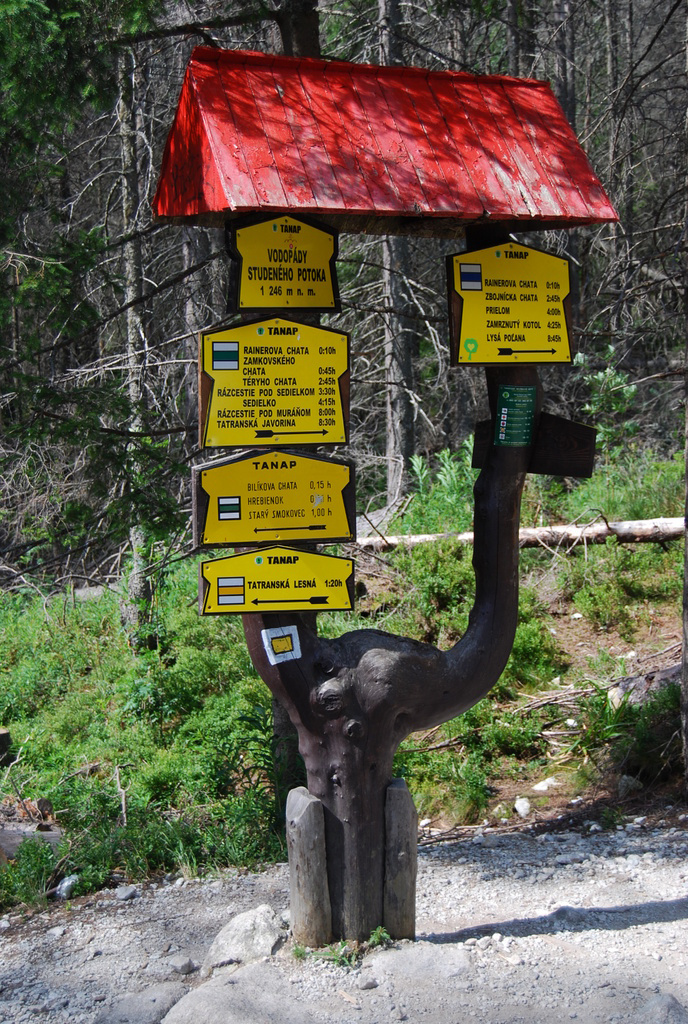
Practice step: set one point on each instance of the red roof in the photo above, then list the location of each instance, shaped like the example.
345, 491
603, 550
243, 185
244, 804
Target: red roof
371, 148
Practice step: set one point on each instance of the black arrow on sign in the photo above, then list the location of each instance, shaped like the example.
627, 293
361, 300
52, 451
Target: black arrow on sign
293, 600
288, 433
524, 351
272, 529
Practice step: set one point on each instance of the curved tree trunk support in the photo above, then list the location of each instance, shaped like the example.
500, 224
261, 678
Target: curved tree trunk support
355, 698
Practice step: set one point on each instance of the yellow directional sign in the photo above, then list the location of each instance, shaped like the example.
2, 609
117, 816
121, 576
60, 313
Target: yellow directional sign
509, 304
286, 263
273, 496
273, 382
276, 579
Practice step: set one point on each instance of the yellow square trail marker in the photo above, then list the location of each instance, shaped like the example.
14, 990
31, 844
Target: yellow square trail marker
281, 643
509, 304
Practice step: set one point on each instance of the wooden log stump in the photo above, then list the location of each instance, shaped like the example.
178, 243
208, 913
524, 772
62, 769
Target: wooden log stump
5, 747
311, 916
401, 862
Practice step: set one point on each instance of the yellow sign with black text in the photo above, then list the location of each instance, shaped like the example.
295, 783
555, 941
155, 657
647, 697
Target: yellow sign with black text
273, 382
286, 263
279, 495
509, 304
276, 579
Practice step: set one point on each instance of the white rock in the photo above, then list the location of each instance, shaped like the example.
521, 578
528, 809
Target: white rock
664, 1009
126, 892
545, 784
628, 785
522, 806
249, 936
182, 964
66, 887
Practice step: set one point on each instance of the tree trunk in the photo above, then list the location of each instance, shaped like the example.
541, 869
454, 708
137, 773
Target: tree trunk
400, 338
512, 38
299, 25
565, 60
355, 698
684, 658
401, 343
136, 607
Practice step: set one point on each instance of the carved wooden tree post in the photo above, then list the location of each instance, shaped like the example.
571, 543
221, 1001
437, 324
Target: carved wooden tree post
354, 699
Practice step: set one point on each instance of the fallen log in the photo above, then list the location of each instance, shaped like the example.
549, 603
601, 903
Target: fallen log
636, 531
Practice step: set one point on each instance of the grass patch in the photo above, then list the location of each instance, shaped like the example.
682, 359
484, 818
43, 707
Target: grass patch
154, 761
164, 759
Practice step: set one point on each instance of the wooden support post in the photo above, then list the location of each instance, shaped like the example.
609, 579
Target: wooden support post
311, 916
401, 862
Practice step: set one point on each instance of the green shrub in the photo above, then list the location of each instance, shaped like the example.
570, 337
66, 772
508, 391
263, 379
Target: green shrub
439, 590
535, 658
444, 782
450, 774
25, 879
446, 503
631, 486
652, 750
643, 740
610, 584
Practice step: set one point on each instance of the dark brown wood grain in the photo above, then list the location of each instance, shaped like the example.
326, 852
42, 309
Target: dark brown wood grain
353, 699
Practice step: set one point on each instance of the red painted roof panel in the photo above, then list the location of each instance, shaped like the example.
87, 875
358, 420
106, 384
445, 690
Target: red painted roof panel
415, 151
309, 140
371, 148
365, 167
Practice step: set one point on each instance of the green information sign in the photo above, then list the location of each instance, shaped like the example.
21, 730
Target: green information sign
515, 416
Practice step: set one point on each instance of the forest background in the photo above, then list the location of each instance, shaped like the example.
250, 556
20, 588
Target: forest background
100, 305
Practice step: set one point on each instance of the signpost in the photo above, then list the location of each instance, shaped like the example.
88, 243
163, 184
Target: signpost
276, 579
273, 382
352, 839
509, 304
280, 495
286, 263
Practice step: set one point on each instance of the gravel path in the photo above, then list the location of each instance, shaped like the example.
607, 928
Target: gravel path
512, 927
